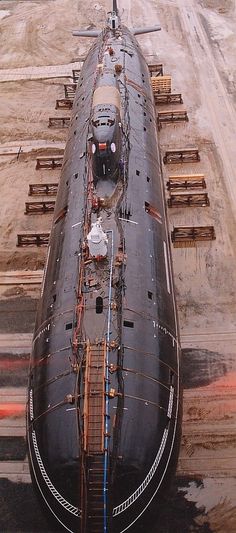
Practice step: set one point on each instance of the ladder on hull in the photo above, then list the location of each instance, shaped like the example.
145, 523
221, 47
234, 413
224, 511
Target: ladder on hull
93, 441
94, 398
95, 495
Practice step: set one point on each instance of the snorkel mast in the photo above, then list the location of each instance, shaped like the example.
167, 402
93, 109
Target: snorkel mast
113, 23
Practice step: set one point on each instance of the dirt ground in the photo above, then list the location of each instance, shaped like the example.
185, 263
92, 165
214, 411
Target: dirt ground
197, 46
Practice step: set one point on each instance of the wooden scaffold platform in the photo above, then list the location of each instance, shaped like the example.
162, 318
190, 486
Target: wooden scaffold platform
189, 235
156, 69
41, 189
168, 98
58, 122
76, 75
32, 239
70, 89
188, 200
181, 155
38, 208
186, 181
161, 84
64, 103
170, 117
49, 162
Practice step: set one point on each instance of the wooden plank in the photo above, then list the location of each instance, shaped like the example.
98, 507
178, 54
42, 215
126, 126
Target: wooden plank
32, 239
33, 208
184, 184
70, 89
181, 155
41, 189
64, 103
161, 84
189, 235
184, 177
21, 277
165, 117
156, 69
188, 200
58, 122
49, 162
76, 75
167, 98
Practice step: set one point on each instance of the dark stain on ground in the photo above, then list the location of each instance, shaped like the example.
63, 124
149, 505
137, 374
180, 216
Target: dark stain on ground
21, 512
202, 367
17, 315
12, 449
20, 509
14, 370
178, 515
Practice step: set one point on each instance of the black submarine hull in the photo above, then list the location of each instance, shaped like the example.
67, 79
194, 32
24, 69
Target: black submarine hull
103, 412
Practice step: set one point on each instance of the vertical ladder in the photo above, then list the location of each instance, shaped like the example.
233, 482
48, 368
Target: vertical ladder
94, 398
95, 495
94, 429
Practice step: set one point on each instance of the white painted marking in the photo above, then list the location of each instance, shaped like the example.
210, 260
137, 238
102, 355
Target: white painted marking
123, 506
77, 224
45, 271
171, 399
31, 405
126, 220
68, 506
43, 496
167, 267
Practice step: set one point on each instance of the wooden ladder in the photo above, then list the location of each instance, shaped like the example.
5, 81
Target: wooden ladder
94, 430
94, 398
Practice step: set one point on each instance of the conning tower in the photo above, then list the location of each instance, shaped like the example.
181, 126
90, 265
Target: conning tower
106, 121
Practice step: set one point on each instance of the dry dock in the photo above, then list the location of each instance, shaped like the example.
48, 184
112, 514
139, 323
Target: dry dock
197, 50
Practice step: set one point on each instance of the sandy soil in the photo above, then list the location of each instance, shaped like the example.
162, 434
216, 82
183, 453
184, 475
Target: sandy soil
24, 114
197, 47
43, 31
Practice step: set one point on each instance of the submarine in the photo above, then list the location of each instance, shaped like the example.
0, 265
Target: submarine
104, 394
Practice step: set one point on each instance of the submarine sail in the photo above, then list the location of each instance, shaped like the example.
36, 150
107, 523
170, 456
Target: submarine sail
103, 411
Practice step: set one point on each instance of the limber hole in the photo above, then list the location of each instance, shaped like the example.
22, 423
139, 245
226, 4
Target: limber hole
128, 324
99, 305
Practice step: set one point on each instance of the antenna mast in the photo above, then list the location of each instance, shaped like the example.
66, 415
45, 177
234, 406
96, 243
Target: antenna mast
115, 8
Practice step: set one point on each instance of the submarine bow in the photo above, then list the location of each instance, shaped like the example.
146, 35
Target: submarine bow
103, 412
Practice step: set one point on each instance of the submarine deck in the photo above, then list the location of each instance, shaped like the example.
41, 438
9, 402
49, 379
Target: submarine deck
201, 302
